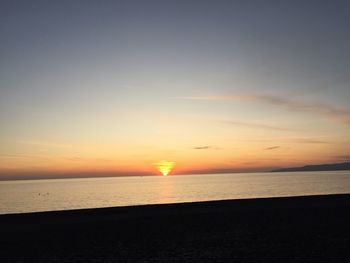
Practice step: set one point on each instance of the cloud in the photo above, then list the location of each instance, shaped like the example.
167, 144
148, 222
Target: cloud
321, 109
272, 148
203, 147
343, 157
43, 143
311, 141
83, 159
14, 156
23, 156
257, 125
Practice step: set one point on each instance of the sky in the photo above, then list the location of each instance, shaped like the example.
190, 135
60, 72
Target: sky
96, 88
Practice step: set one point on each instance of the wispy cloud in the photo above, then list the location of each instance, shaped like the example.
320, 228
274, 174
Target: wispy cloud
257, 125
311, 141
319, 108
206, 147
343, 157
23, 156
85, 159
272, 148
43, 143
307, 106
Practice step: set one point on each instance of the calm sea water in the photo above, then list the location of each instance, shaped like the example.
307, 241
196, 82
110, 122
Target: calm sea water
63, 194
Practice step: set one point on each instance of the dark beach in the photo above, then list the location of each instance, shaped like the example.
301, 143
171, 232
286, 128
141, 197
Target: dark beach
289, 229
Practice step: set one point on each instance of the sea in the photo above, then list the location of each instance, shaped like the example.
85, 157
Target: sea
23, 196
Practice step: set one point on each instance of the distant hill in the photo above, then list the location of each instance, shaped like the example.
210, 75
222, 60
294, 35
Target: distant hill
318, 167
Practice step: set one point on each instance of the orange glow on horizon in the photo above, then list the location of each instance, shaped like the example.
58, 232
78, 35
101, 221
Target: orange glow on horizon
165, 167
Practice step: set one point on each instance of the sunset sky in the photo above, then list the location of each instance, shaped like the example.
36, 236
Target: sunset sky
95, 88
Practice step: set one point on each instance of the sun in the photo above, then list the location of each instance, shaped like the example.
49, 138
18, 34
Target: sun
165, 167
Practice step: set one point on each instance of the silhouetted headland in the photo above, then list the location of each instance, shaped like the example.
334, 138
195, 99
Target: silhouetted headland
287, 229
318, 167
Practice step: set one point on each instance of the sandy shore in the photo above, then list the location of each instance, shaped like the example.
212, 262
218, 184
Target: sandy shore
294, 229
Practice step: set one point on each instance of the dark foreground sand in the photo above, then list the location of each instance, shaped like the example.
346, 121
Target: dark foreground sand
297, 229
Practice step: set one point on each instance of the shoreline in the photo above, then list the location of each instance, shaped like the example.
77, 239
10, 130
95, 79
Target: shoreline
278, 229
203, 204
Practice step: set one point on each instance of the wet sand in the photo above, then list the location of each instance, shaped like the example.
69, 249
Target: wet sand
288, 229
